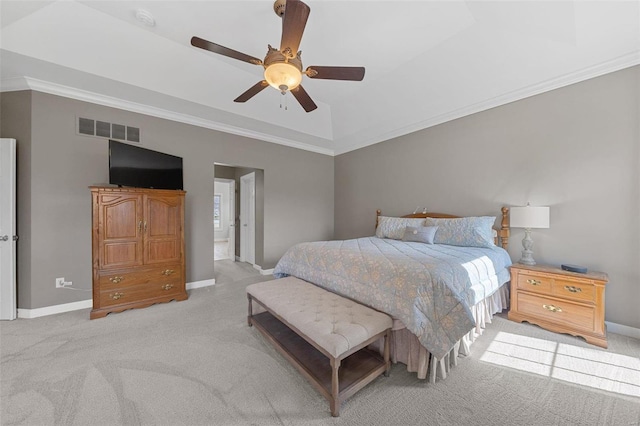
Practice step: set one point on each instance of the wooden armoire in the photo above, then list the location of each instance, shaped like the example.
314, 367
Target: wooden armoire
138, 248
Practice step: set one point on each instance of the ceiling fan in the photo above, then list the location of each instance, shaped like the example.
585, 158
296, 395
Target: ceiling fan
283, 67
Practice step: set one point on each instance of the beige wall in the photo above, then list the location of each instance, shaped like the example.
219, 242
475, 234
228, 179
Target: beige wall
575, 149
63, 164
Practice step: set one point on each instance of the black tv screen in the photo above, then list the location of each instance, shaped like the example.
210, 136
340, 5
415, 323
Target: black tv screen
143, 168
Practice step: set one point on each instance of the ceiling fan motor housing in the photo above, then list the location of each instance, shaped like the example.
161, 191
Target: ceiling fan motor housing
279, 6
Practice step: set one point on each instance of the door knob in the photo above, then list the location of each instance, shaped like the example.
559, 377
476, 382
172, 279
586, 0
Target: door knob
244, 224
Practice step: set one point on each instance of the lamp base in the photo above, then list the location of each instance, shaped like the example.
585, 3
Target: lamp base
527, 253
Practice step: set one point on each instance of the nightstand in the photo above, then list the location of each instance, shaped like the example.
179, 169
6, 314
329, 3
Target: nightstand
560, 301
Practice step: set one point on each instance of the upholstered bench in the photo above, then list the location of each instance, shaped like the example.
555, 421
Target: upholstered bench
325, 336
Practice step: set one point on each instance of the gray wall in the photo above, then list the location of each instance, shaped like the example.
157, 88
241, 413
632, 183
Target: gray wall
15, 122
63, 164
575, 149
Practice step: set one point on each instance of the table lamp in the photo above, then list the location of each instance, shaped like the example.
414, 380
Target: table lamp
528, 217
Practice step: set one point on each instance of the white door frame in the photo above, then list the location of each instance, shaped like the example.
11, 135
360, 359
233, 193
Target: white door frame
230, 185
232, 220
248, 218
8, 308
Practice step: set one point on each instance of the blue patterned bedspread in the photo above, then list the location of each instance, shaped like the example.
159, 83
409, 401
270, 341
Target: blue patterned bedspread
429, 287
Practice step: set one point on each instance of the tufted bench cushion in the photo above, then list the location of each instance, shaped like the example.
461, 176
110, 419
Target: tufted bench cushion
333, 322
338, 328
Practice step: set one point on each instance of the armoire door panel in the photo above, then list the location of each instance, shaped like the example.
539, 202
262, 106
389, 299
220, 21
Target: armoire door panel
121, 218
122, 254
163, 229
162, 251
120, 226
163, 217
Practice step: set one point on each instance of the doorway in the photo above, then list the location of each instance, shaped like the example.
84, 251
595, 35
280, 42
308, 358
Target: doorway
248, 209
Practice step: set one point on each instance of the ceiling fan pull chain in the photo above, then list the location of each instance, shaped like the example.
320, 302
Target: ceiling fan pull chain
284, 95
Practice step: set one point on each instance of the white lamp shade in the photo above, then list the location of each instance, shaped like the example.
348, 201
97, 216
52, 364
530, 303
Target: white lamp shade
529, 217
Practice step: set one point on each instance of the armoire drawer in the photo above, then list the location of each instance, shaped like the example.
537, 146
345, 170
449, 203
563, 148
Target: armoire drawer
126, 278
119, 296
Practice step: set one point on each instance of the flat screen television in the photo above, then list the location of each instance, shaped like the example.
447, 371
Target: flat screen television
143, 168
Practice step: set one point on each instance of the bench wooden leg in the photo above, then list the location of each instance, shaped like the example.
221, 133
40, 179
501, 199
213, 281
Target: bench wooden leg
250, 310
387, 344
335, 388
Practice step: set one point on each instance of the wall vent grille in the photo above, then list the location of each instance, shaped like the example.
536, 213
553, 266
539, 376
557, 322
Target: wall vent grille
103, 129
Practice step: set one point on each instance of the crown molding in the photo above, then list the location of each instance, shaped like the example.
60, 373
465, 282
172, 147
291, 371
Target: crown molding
28, 83
625, 61
342, 146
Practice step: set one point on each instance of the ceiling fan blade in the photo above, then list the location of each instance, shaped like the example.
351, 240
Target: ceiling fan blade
253, 90
293, 23
336, 73
303, 97
225, 51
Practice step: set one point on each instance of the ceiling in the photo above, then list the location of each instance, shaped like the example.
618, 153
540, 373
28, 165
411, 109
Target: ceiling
426, 62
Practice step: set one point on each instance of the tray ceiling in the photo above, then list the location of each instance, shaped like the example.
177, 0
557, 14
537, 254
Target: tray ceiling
426, 61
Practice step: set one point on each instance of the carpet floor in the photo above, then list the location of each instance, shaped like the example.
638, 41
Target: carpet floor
197, 362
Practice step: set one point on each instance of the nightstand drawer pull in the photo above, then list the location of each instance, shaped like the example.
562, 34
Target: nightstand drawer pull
116, 296
116, 280
552, 308
534, 282
168, 272
167, 286
572, 289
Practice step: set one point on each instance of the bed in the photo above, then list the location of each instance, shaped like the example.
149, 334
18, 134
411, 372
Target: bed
441, 277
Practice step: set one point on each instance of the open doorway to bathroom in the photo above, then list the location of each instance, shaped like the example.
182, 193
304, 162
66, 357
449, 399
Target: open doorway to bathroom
238, 214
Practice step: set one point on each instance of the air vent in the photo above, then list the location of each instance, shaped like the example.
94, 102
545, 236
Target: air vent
103, 129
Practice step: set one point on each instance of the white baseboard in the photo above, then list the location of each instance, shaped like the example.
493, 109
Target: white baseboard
55, 309
263, 271
200, 284
625, 330
84, 304
612, 327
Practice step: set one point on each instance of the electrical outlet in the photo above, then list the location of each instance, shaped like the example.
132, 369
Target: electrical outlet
59, 282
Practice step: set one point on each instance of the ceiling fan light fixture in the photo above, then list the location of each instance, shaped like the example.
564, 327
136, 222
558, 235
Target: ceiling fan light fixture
283, 76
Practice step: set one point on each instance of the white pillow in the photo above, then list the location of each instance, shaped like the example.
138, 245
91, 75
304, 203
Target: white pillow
393, 227
420, 234
464, 231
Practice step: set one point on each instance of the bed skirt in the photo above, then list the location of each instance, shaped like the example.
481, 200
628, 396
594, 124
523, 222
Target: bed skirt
406, 349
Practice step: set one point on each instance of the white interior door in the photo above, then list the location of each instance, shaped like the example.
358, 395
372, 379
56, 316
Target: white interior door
8, 237
248, 218
232, 220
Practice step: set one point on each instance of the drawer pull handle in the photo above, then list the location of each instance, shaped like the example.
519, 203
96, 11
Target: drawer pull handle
167, 286
534, 282
168, 272
116, 296
572, 289
116, 280
552, 308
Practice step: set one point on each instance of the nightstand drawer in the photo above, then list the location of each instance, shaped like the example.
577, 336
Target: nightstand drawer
566, 313
574, 290
533, 282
